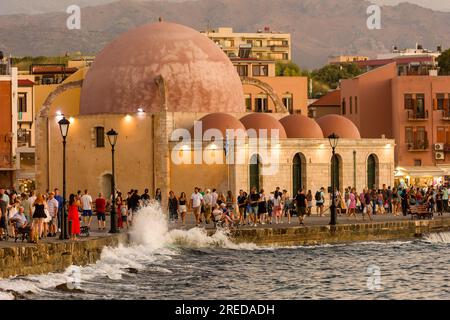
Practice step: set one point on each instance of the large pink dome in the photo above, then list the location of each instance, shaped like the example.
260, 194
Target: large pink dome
265, 122
343, 127
199, 76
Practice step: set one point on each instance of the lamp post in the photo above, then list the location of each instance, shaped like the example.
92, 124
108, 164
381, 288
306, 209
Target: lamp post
64, 128
112, 138
333, 139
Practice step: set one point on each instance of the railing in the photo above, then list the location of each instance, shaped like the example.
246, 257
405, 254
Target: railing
420, 145
5, 160
416, 116
446, 115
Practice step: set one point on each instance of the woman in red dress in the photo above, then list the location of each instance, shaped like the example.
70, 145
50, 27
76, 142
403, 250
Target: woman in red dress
73, 216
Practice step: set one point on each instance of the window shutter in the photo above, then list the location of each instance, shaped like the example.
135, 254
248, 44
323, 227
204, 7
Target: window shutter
435, 104
93, 137
415, 104
446, 105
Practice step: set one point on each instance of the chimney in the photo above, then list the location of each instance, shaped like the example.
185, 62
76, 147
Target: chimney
267, 29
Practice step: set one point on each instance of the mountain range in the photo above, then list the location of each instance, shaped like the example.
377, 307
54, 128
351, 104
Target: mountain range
319, 28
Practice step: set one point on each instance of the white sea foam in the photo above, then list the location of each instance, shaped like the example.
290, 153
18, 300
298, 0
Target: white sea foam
441, 237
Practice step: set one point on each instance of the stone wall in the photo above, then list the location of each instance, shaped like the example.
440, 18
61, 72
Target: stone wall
25, 259
317, 235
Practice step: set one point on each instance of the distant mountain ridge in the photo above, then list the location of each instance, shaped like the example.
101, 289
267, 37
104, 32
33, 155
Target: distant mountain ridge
319, 28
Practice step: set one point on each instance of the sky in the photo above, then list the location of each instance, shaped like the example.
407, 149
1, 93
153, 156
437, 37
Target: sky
42, 6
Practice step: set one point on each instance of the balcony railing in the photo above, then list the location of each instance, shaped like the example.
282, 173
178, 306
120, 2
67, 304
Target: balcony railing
417, 116
446, 115
420, 145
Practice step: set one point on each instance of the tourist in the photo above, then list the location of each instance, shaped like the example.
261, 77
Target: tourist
277, 207
262, 208
182, 207
121, 207
21, 222
195, 204
395, 202
53, 206
134, 202
214, 197
26, 206
231, 204
207, 200
241, 201
309, 199
3, 215
216, 215
320, 200
73, 217
173, 207
100, 208
445, 194
86, 202
38, 217
288, 204
31, 200
221, 199
366, 200
301, 204
158, 196
404, 201
60, 200
253, 206
352, 203
145, 198
439, 202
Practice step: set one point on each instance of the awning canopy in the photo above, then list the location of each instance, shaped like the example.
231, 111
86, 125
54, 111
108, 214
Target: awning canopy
420, 172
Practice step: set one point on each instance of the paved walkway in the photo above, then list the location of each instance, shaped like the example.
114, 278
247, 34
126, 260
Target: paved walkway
309, 221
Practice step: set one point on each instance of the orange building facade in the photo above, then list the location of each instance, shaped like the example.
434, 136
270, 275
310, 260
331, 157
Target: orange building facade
413, 110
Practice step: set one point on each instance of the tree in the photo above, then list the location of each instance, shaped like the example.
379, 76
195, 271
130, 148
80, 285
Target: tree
287, 69
332, 73
444, 63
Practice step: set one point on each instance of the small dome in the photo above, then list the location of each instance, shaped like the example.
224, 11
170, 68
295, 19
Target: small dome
263, 121
221, 122
199, 76
298, 126
340, 125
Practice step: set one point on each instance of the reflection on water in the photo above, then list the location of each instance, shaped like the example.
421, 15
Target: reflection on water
190, 265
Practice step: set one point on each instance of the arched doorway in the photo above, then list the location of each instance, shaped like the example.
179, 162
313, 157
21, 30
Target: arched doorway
255, 172
106, 185
336, 171
298, 173
372, 172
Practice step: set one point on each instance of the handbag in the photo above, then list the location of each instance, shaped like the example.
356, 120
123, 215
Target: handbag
48, 216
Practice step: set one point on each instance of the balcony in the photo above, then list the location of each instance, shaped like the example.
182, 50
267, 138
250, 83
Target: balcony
418, 146
446, 115
417, 116
23, 138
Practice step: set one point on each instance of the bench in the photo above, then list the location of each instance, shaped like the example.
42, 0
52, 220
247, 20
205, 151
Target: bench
421, 212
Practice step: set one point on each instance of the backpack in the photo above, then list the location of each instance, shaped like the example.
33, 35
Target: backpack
318, 196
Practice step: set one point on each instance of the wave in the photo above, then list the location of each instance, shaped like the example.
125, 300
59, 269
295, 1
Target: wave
441, 237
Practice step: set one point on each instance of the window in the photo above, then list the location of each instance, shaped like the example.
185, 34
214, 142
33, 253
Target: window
21, 104
440, 136
356, 105
417, 163
248, 102
421, 138
287, 101
285, 56
440, 97
261, 70
420, 111
351, 105
409, 102
409, 136
261, 105
99, 137
242, 71
257, 43
343, 107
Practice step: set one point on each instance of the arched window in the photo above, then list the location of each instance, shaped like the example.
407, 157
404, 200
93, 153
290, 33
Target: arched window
336, 171
255, 172
298, 173
372, 172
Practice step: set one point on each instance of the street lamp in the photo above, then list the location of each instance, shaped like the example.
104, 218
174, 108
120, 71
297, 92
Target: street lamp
112, 138
64, 128
333, 139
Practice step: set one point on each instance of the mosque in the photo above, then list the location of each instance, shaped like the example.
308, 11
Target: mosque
158, 79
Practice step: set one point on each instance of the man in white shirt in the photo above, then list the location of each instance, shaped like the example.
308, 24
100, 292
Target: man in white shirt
214, 197
86, 203
196, 205
52, 204
31, 200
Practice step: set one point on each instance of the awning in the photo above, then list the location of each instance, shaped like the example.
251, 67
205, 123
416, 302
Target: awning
420, 172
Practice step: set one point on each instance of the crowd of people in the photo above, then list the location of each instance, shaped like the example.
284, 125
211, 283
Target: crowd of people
40, 213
